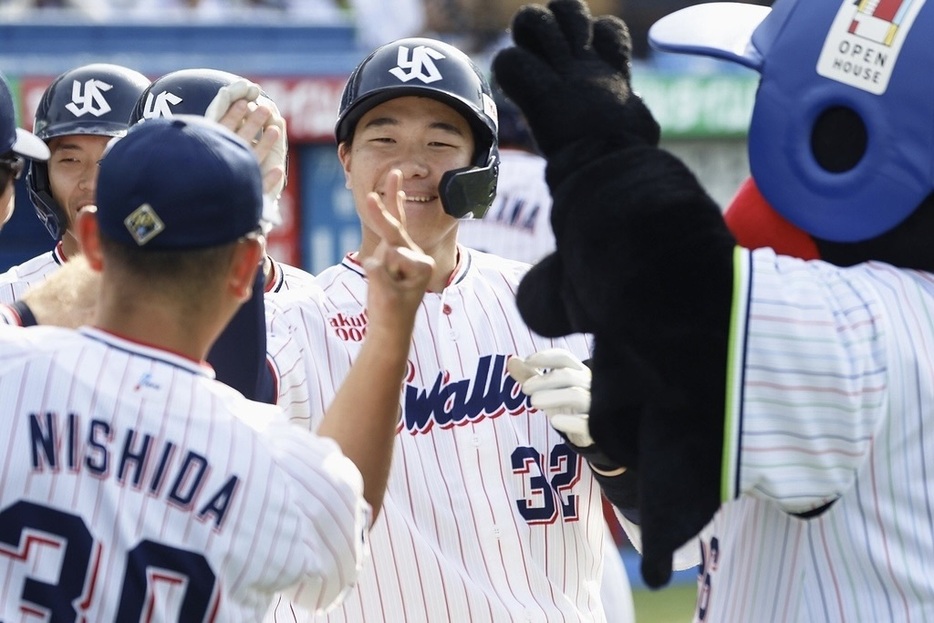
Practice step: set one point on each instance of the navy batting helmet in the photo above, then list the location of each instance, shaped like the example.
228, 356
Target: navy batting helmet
93, 99
841, 141
182, 92
430, 68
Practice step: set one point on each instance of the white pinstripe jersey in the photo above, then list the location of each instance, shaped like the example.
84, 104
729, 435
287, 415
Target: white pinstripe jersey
287, 277
488, 516
16, 280
132, 480
832, 398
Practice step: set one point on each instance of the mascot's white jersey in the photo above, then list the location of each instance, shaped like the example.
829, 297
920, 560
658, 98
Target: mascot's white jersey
489, 516
518, 223
133, 482
15, 281
832, 401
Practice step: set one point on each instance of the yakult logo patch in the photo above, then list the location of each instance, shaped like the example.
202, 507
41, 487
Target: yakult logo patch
419, 65
88, 98
863, 44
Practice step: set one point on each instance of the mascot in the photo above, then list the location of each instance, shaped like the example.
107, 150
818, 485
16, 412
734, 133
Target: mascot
775, 403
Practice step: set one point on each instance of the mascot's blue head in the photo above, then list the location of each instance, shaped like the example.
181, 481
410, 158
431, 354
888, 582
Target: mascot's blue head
841, 141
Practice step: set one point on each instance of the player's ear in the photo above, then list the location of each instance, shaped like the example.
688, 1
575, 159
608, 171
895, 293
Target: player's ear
343, 154
88, 235
247, 258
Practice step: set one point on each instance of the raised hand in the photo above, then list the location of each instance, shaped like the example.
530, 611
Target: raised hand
398, 271
570, 75
241, 107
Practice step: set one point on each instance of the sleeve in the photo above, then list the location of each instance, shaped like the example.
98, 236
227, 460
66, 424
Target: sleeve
239, 354
686, 557
811, 396
325, 497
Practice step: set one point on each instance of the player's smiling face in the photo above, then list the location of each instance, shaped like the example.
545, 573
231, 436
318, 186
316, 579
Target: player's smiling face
423, 138
73, 170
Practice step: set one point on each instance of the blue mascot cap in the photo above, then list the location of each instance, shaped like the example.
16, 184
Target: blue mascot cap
869, 58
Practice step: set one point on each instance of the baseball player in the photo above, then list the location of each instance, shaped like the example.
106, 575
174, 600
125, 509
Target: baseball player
135, 486
16, 146
489, 515
518, 226
240, 105
821, 439
79, 112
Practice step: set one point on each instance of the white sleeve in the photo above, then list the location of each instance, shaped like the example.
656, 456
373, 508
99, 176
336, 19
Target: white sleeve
809, 379
325, 501
687, 556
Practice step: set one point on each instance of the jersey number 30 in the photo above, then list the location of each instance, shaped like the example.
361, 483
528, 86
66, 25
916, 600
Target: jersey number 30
26, 527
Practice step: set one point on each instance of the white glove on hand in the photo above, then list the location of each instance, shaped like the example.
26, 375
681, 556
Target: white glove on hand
558, 383
272, 154
237, 90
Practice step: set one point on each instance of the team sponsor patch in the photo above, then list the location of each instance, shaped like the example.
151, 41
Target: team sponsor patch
143, 224
865, 40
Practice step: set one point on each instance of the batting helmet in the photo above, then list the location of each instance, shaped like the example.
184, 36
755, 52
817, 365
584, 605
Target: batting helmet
841, 141
182, 92
429, 68
92, 99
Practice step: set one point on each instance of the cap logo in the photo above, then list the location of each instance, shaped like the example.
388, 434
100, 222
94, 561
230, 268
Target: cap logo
89, 98
864, 42
419, 65
143, 224
160, 105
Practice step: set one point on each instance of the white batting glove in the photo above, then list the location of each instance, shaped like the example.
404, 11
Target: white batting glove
272, 164
237, 90
557, 383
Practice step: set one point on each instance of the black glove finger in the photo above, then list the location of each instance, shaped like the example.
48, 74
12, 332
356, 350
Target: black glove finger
523, 77
612, 41
535, 29
538, 300
656, 566
573, 17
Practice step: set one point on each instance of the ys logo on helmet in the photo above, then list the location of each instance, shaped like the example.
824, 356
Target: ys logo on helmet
160, 105
89, 98
420, 65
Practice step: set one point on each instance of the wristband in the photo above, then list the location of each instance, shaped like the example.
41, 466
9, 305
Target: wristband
26, 317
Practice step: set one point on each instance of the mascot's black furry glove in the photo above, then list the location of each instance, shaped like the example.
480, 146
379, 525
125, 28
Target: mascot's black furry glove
644, 262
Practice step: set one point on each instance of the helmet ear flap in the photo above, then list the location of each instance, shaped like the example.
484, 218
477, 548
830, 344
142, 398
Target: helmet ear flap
469, 190
50, 214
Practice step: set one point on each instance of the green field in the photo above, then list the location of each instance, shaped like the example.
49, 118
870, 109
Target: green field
674, 604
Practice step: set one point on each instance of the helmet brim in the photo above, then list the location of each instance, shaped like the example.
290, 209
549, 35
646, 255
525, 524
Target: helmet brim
29, 145
718, 29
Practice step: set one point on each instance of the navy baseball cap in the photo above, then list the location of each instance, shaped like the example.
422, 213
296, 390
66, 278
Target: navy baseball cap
13, 138
178, 183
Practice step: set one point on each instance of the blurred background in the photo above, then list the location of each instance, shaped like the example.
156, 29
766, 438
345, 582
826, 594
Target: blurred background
301, 52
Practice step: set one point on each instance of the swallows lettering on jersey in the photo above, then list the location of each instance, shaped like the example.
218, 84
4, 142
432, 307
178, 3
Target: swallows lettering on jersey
155, 466
488, 394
